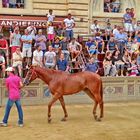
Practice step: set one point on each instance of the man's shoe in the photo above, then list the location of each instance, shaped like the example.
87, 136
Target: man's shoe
20, 125
3, 124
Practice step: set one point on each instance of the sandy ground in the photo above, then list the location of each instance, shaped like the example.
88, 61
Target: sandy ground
121, 122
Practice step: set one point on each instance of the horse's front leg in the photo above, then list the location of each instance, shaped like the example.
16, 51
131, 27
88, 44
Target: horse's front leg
54, 99
61, 99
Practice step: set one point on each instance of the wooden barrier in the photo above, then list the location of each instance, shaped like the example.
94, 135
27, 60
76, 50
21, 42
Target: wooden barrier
116, 89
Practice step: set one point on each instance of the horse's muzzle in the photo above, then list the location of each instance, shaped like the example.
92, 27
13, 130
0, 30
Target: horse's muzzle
26, 82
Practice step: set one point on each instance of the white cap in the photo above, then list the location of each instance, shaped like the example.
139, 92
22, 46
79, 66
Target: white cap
9, 69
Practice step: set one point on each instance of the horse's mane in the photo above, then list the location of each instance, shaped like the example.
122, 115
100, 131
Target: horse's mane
51, 70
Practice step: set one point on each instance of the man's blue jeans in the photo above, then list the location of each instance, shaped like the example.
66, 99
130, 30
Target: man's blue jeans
8, 108
121, 46
69, 34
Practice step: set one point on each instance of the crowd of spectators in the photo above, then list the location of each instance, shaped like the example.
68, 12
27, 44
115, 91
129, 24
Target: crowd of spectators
52, 50
118, 47
13, 3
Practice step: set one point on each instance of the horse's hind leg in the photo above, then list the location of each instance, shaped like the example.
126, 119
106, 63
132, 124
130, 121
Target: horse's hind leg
96, 103
100, 102
61, 99
94, 110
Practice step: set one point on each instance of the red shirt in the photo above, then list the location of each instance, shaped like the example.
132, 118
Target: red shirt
3, 43
132, 14
13, 86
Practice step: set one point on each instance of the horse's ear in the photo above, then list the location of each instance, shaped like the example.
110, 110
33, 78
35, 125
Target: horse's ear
30, 67
33, 66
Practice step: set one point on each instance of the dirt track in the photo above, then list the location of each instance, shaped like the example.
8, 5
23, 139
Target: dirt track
121, 122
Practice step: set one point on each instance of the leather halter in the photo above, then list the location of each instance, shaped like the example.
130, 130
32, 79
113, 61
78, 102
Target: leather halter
33, 72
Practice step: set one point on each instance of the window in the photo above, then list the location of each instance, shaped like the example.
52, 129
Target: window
13, 4
113, 6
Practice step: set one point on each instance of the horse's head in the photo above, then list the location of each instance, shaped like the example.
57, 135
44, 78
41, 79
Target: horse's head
30, 76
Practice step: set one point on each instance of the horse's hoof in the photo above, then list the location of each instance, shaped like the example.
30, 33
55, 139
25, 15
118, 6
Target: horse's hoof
98, 120
95, 117
49, 120
63, 119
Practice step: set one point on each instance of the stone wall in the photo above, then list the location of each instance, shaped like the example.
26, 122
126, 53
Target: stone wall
118, 89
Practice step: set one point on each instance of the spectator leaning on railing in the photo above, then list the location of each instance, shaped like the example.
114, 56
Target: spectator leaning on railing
62, 63
92, 65
38, 56
50, 58
17, 61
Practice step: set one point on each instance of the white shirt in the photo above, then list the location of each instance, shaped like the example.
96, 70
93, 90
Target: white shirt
32, 31
73, 47
69, 23
50, 17
50, 57
93, 28
50, 30
17, 56
39, 56
136, 27
115, 32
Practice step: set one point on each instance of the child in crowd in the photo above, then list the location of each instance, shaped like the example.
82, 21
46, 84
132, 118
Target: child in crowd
133, 69
50, 16
50, 32
132, 13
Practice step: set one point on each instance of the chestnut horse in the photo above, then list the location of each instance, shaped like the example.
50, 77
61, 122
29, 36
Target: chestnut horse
61, 83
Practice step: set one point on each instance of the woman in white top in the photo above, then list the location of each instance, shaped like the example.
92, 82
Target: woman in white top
17, 60
50, 58
38, 56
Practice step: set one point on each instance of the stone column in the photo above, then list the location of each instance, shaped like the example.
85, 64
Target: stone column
137, 9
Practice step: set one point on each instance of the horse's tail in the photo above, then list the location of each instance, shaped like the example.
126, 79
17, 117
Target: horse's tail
102, 102
101, 90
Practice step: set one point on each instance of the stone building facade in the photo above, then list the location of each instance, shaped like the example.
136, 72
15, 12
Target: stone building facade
83, 11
